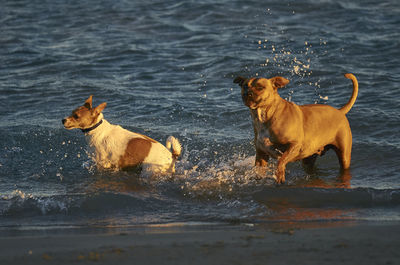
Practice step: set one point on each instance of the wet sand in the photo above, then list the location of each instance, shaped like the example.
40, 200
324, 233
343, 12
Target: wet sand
330, 243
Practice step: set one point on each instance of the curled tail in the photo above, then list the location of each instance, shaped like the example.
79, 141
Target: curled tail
346, 108
174, 147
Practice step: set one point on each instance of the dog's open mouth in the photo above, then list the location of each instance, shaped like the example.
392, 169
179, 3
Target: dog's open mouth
253, 104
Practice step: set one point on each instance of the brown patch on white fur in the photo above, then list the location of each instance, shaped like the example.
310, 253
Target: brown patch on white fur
136, 151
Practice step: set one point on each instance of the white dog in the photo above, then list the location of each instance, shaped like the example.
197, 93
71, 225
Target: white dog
118, 148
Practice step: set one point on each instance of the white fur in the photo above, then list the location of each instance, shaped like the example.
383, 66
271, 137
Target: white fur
174, 146
110, 142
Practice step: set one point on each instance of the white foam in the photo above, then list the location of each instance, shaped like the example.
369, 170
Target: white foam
218, 179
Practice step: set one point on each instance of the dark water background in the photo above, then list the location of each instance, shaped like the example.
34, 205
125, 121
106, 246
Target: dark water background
166, 68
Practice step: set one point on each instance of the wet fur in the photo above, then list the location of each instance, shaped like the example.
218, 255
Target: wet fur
289, 132
118, 148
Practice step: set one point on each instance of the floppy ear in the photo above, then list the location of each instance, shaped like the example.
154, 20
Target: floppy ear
88, 102
239, 80
100, 108
279, 81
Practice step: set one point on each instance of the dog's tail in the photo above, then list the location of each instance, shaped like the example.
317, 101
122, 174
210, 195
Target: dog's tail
174, 147
346, 108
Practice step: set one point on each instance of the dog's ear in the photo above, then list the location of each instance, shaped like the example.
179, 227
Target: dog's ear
100, 108
239, 80
279, 81
88, 102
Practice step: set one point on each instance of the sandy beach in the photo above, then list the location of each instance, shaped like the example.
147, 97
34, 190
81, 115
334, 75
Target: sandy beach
329, 243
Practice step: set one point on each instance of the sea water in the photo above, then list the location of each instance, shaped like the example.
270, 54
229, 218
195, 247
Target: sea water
167, 68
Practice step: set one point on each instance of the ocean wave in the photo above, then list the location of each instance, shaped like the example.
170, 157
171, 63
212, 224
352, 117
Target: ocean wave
21, 204
268, 204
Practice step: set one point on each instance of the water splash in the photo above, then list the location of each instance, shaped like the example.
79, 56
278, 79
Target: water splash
288, 59
217, 180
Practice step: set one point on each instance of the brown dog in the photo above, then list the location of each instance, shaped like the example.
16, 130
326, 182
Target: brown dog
289, 132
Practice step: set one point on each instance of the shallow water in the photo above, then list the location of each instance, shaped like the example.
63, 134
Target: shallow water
166, 68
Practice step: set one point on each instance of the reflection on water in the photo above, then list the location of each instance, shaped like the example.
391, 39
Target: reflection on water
341, 181
304, 199
291, 213
124, 182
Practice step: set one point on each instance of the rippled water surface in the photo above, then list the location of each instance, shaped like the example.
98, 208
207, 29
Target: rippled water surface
166, 68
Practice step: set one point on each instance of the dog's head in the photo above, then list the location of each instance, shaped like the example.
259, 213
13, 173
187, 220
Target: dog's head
84, 116
258, 92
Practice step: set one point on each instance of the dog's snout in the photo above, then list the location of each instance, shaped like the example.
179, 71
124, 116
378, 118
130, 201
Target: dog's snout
63, 121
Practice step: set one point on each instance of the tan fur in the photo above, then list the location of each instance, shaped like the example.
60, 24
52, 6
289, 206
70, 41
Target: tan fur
289, 132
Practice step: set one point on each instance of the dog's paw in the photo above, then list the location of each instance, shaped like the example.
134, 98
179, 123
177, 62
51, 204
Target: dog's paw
280, 177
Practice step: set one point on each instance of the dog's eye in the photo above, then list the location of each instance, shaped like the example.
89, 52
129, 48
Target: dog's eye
75, 116
259, 88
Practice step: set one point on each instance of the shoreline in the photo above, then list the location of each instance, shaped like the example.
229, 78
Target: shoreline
276, 243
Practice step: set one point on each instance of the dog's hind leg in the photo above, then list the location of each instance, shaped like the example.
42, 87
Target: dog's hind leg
344, 156
343, 151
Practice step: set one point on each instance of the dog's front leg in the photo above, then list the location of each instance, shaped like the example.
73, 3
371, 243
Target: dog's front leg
288, 156
261, 158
